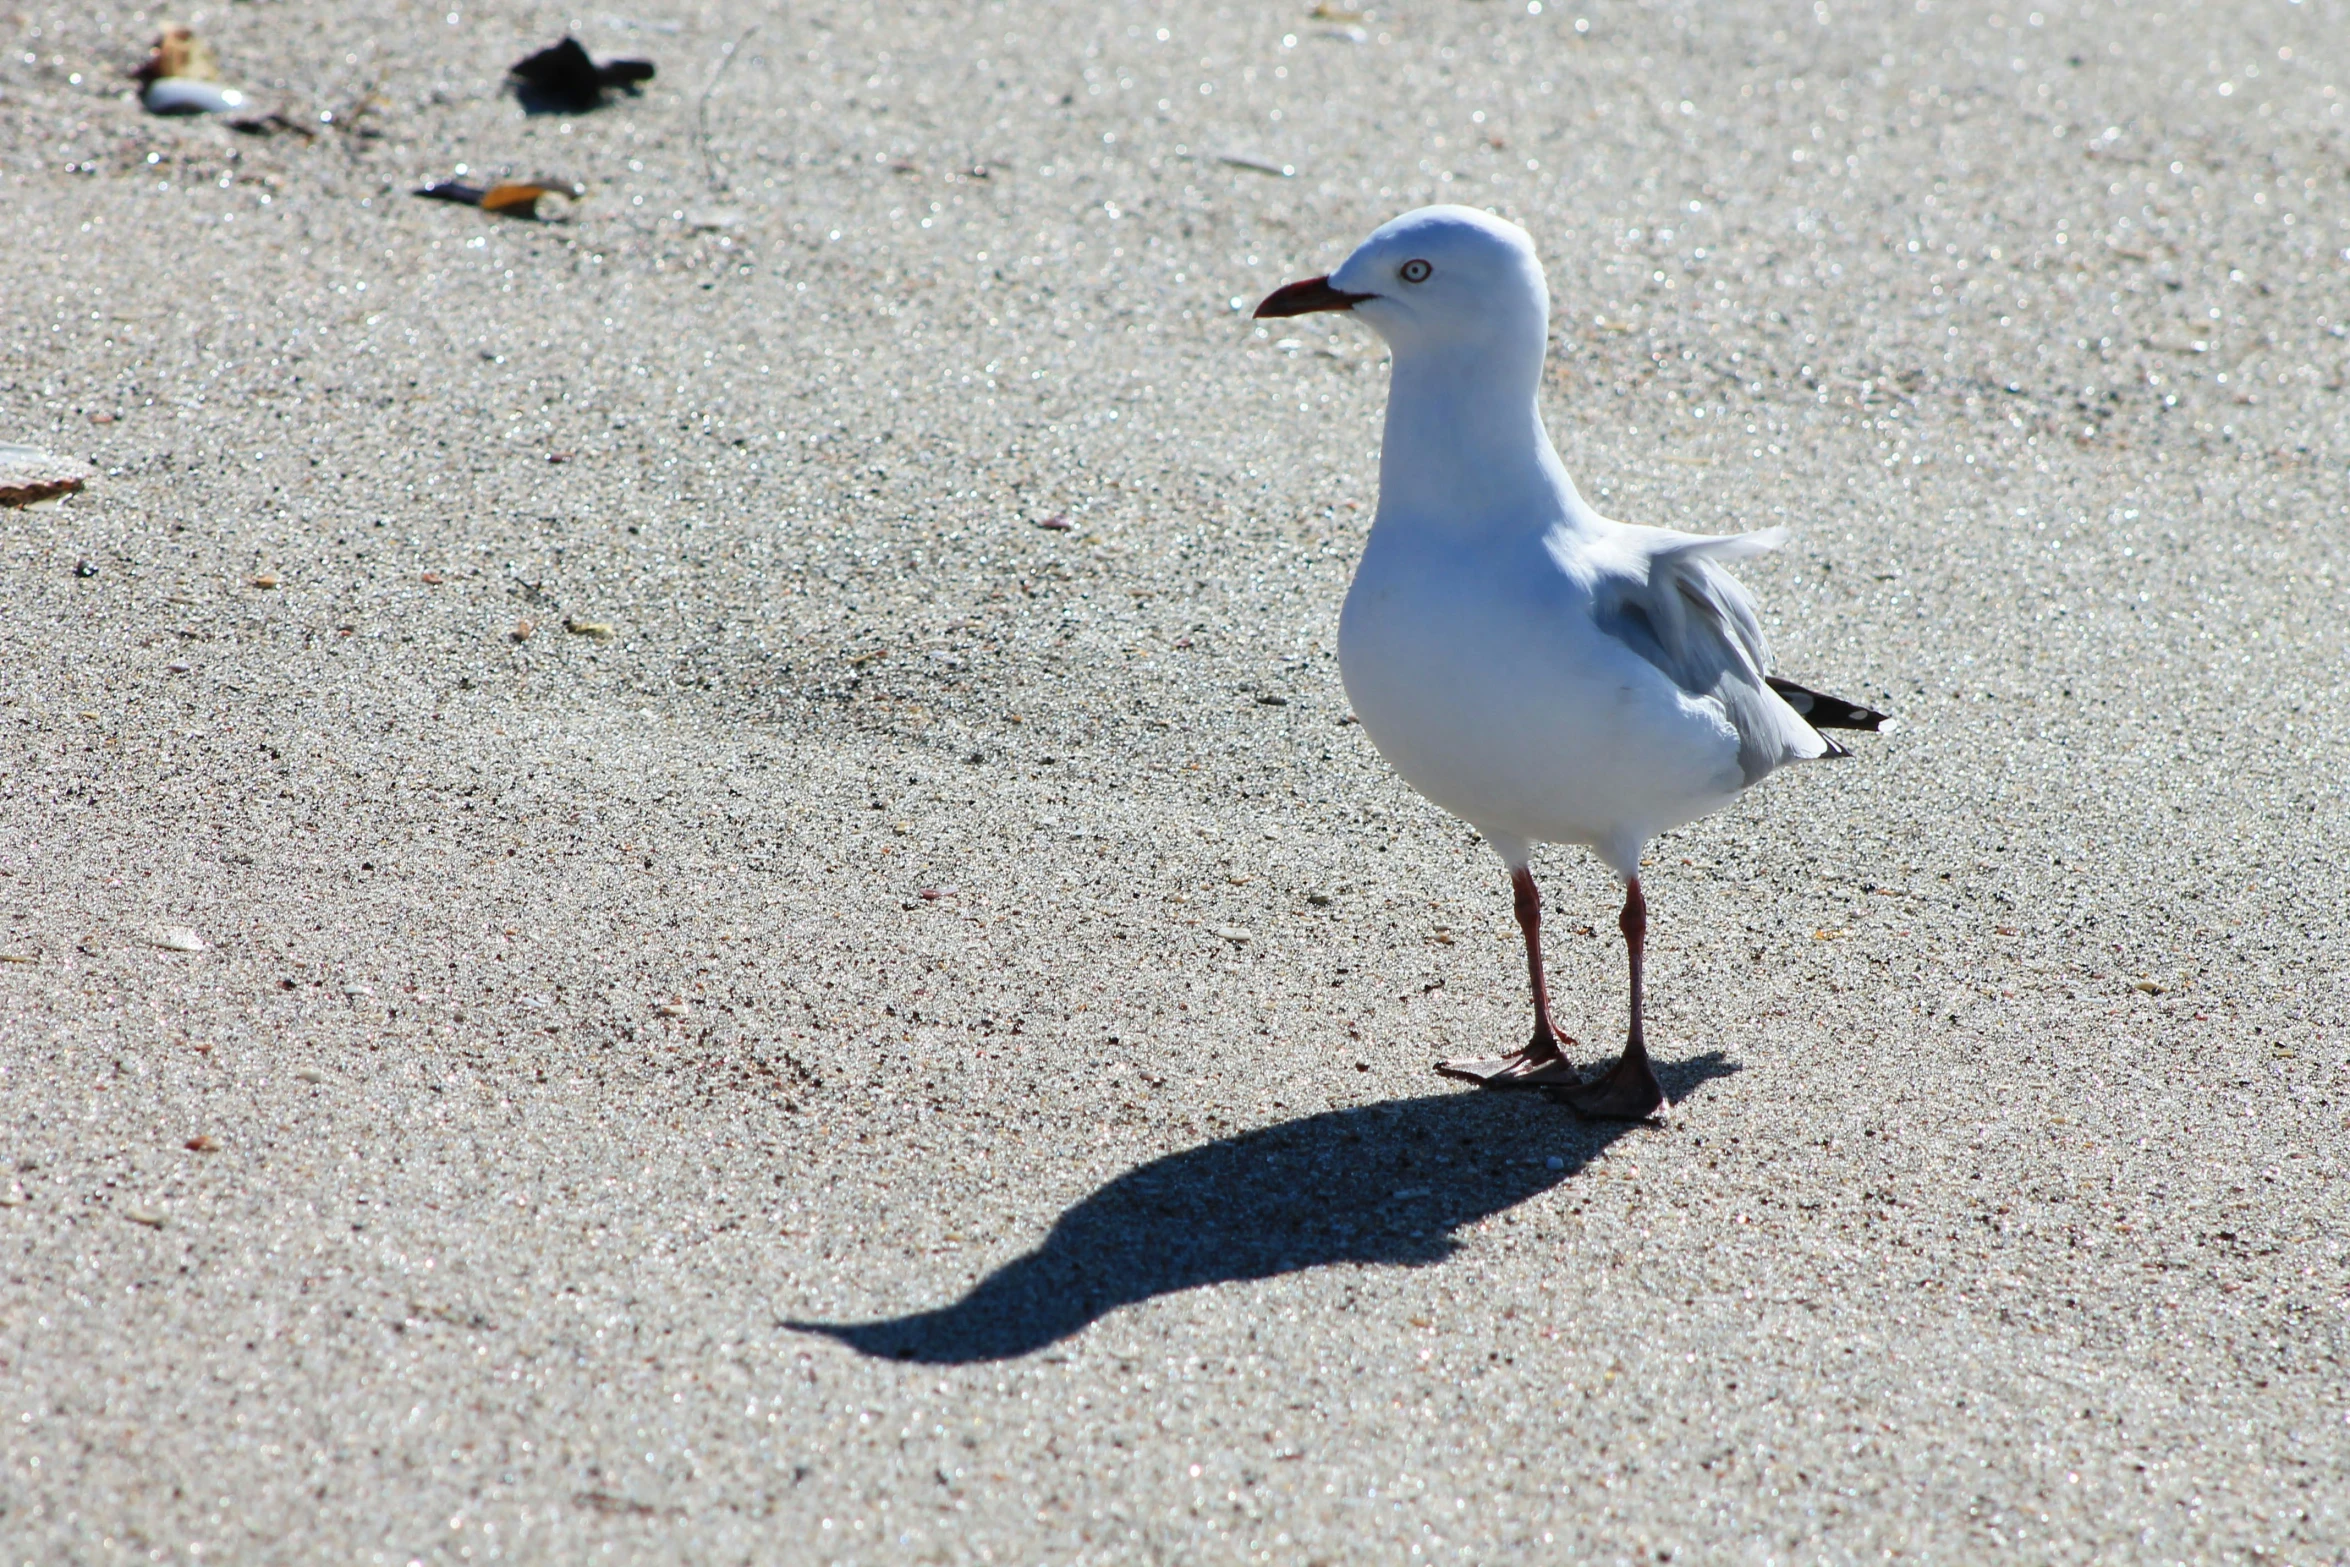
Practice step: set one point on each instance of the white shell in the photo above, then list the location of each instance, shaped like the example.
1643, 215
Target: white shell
188, 95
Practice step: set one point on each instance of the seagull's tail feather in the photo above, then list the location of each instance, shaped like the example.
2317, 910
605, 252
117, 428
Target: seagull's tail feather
1726, 547
1822, 711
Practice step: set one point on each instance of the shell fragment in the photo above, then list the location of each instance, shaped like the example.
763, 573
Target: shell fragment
28, 474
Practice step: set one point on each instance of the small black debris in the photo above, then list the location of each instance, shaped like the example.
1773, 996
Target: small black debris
563, 80
270, 125
82, 568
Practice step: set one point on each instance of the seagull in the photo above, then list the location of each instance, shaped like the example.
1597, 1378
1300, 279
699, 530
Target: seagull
1541, 672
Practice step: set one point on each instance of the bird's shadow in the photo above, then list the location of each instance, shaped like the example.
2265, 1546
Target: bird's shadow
1384, 1183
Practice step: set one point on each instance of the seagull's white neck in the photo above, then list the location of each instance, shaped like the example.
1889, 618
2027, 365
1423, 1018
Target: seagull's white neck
1465, 448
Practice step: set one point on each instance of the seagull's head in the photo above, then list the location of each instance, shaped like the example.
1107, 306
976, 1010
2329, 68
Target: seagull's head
1437, 277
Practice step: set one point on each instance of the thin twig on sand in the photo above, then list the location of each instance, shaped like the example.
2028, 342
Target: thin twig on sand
710, 167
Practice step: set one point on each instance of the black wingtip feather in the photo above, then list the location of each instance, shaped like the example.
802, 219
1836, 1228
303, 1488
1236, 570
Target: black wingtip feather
1822, 711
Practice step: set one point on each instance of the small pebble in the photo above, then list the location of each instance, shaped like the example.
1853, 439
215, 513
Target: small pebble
1554, 1162
594, 629
147, 1216
1231, 933
184, 95
674, 1007
265, 581
309, 1075
203, 1144
175, 938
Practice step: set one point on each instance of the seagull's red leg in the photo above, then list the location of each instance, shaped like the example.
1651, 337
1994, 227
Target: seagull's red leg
1628, 1091
1541, 1063
1527, 903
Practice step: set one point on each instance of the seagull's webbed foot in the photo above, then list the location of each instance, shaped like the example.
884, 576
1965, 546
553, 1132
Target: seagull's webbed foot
1627, 1091
1539, 1064
1542, 1063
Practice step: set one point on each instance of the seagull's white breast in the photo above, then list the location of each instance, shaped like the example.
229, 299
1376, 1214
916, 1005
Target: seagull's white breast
1476, 668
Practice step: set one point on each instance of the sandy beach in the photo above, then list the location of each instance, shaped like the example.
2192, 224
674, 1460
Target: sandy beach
689, 881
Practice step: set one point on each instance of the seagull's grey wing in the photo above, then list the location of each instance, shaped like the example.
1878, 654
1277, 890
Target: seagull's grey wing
1668, 598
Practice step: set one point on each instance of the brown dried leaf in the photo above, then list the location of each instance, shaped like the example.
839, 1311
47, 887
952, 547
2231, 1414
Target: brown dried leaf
520, 198
507, 198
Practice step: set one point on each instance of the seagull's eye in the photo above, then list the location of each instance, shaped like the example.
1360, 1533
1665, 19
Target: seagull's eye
1414, 271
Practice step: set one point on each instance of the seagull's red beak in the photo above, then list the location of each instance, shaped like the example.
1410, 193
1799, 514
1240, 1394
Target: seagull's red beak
1307, 297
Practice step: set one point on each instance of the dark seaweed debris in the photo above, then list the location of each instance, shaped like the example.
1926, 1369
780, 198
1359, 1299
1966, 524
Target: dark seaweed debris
563, 80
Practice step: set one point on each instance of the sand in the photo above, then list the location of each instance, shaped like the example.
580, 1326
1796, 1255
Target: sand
578, 797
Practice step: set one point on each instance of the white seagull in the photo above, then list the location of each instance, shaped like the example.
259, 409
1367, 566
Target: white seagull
1543, 673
